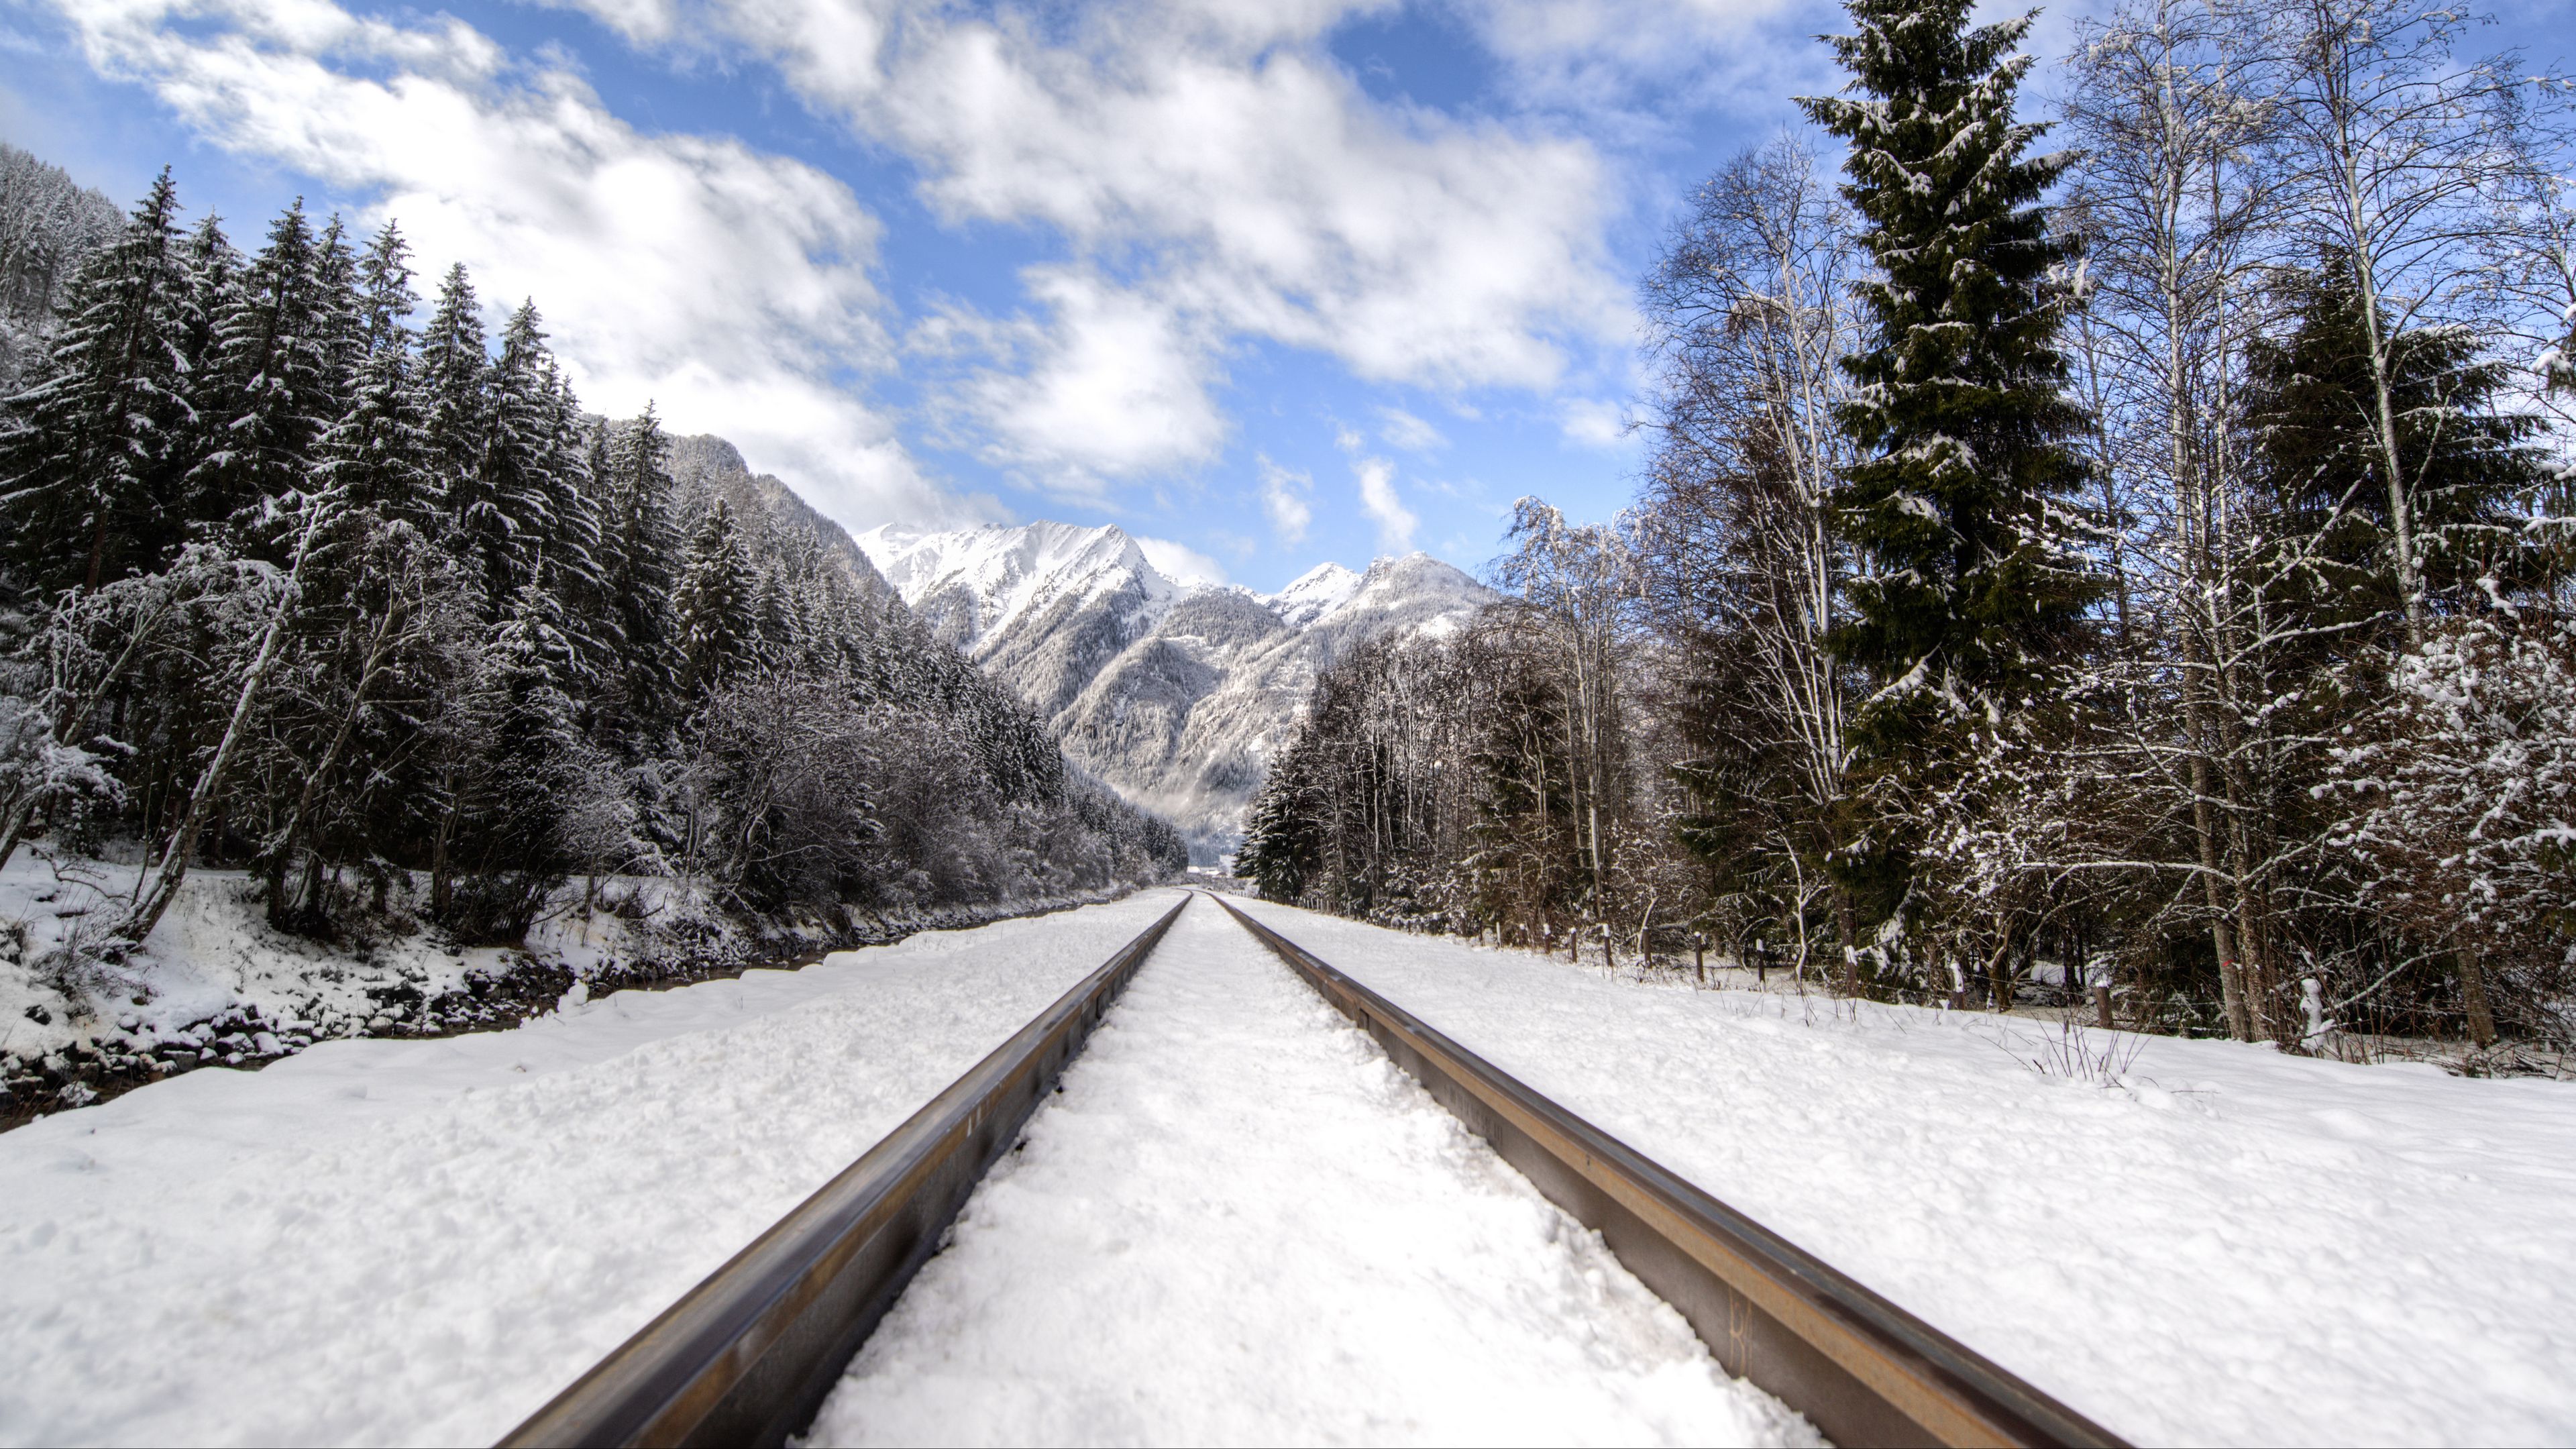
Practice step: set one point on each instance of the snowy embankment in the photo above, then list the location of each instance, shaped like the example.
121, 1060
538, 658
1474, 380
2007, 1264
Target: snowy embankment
215, 985
1239, 1223
422, 1241
2223, 1245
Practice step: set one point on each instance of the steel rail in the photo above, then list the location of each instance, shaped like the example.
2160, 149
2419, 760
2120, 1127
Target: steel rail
1863, 1370
747, 1356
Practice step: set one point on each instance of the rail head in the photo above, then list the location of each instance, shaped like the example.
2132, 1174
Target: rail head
747, 1356
1862, 1368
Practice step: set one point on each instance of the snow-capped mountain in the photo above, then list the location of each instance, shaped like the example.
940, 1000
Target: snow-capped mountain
1172, 691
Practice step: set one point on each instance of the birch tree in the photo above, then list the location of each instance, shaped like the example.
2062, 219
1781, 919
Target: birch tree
1752, 319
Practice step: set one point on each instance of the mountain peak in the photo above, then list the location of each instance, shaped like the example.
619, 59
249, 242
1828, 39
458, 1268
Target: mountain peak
1175, 704
1315, 593
977, 580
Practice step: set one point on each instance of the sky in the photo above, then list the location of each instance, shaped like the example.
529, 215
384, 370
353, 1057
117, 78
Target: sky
1264, 282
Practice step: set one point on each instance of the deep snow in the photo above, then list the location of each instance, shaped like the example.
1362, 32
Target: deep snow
214, 984
2225, 1245
1239, 1223
422, 1241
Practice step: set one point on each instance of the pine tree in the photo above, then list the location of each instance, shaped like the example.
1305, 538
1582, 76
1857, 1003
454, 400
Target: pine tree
718, 633
2475, 472
641, 546
1969, 583
88, 477
1969, 586
377, 453
276, 383
573, 522
451, 382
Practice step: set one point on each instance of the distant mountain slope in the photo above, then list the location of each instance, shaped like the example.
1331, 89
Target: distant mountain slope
707, 467
1172, 693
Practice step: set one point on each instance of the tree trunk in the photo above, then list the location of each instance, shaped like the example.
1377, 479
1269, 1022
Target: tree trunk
2473, 990
299, 821
15, 827
155, 900
441, 883
1849, 926
2231, 984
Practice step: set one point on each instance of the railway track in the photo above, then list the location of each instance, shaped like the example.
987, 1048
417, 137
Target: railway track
748, 1355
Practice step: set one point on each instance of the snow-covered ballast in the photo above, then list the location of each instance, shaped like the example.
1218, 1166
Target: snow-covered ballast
1863, 1370
747, 1356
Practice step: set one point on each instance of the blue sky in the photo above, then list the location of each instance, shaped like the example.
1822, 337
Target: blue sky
1270, 281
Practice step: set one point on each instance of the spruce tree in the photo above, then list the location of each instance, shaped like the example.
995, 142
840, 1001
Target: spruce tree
642, 548
718, 633
452, 380
1969, 582
214, 268
504, 523
377, 452
276, 384
532, 746
2478, 475
89, 474
1969, 585
573, 522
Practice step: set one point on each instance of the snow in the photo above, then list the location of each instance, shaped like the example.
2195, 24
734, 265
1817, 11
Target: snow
213, 955
422, 1241
2223, 1245
1313, 594
1009, 571
1239, 1223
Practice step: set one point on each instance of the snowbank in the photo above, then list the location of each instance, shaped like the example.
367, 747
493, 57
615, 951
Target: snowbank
1239, 1223
2224, 1245
215, 985
422, 1241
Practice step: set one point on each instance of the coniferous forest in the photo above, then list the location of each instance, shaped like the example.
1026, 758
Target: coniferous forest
2121, 561
306, 574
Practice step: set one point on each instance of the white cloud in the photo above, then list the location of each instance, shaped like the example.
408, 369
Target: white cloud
1284, 498
1593, 422
729, 285
1378, 499
1402, 429
1216, 160
1685, 54
1179, 562
1107, 386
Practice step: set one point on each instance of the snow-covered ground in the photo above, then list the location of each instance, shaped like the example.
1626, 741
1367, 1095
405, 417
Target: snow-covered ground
1239, 1223
213, 979
215, 984
420, 1242
2223, 1245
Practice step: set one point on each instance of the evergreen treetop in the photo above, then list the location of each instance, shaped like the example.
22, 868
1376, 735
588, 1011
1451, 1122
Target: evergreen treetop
88, 476
1961, 506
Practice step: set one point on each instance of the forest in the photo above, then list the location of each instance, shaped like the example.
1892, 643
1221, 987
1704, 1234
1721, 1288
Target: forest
304, 577
2117, 560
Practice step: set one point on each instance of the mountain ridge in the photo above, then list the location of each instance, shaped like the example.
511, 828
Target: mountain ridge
1173, 693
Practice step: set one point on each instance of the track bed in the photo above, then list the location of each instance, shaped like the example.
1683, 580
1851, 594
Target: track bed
1238, 1222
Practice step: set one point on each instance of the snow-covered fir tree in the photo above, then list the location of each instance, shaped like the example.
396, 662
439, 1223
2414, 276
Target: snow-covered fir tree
274, 382
719, 633
92, 459
1960, 500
